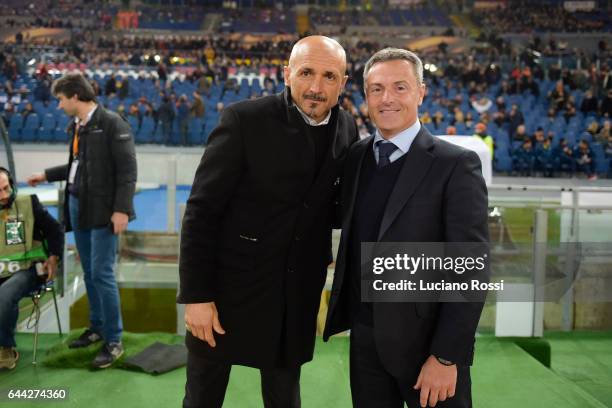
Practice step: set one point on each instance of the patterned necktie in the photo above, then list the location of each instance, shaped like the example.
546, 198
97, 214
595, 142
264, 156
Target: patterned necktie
384, 152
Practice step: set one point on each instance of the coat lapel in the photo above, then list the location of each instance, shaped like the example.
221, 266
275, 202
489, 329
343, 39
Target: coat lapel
304, 148
416, 165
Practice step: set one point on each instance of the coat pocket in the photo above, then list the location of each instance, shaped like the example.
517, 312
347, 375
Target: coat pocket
238, 251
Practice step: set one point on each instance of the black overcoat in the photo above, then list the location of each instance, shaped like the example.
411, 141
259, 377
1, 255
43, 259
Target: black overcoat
256, 236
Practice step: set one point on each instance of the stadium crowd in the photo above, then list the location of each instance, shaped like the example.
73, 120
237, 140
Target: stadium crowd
537, 117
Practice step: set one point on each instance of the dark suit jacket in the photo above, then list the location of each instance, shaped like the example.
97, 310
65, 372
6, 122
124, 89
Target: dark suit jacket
440, 196
256, 236
107, 170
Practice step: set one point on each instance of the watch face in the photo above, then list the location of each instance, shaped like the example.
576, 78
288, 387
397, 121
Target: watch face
445, 362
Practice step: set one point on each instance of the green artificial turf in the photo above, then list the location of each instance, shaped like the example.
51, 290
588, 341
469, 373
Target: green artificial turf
585, 358
60, 356
503, 376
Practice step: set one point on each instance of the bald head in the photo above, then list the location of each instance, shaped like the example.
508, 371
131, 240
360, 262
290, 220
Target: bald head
318, 45
316, 75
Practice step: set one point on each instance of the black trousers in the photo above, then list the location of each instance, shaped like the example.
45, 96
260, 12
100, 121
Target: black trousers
372, 386
207, 382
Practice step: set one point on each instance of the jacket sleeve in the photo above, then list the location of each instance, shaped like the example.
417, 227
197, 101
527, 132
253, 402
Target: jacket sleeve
216, 178
58, 173
48, 227
124, 159
466, 215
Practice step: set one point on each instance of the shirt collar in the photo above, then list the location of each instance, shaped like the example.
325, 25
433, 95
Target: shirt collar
87, 119
403, 139
310, 121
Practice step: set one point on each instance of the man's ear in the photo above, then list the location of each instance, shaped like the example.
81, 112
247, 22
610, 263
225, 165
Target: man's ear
286, 74
422, 90
344, 79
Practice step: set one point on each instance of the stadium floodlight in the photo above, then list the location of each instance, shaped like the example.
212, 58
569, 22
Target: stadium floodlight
430, 67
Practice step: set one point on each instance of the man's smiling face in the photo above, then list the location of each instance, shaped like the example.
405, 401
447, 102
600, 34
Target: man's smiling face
393, 94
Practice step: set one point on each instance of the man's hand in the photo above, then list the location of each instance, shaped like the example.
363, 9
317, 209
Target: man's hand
36, 179
436, 381
50, 266
120, 222
201, 319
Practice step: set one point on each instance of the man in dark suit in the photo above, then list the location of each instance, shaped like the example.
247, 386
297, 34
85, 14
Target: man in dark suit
403, 185
256, 237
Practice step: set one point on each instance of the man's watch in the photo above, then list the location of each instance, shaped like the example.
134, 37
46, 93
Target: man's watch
444, 361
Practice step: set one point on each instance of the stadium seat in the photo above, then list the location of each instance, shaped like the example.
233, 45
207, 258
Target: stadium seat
29, 133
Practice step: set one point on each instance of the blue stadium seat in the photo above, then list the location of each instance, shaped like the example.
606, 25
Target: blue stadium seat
61, 136
47, 128
15, 128
147, 130
602, 164
29, 133
196, 129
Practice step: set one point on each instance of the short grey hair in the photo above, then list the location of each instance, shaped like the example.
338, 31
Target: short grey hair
393, 54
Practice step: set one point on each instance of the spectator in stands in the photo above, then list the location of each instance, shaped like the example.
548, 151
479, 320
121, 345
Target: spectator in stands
362, 128
554, 72
521, 134
551, 115
165, 115
515, 118
469, 120
42, 91
528, 84
585, 162
437, 120
538, 136
425, 118
606, 105
110, 86
123, 88
183, 111
451, 130
481, 133
558, 97
500, 102
135, 112
197, 107
162, 72
589, 103
544, 156
499, 118
220, 106
203, 85
523, 158
27, 110
603, 135
570, 109
593, 129
482, 104
564, 157
458, 116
